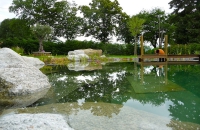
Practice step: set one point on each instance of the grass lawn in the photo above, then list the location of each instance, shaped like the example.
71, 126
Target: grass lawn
62, 59
121, 56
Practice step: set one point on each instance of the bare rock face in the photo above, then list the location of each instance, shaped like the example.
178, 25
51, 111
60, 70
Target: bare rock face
34, 61
18, 77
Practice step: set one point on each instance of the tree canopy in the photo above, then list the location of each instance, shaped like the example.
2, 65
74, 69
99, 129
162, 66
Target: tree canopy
186, 17
101, 18
155, 26
104, 19
135, 27
60, 15
10, 28
41, 32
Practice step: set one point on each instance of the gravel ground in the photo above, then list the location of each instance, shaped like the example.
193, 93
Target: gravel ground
33, 122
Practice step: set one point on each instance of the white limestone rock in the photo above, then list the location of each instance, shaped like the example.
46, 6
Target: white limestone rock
34, 61
17, 77
78, 57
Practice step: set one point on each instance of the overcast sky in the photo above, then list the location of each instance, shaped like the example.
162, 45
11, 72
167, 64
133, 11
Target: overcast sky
131, 7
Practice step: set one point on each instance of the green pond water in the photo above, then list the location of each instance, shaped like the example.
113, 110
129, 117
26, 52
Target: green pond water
171, 91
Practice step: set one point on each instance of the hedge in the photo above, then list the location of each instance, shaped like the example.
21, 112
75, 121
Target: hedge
62, 48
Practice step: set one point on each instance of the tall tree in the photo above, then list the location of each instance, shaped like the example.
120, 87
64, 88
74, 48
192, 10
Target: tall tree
101, 19
35, 11
10, 28
123, 33
41, 32
68, 25
135, 27
155, 26
186, 18
57, 14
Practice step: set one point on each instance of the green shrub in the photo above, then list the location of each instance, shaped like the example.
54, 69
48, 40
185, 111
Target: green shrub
18, 50
62, 48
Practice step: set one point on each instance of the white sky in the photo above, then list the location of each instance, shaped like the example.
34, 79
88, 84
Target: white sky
131, 7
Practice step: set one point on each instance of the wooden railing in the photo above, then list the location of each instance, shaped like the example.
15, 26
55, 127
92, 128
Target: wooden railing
142, 57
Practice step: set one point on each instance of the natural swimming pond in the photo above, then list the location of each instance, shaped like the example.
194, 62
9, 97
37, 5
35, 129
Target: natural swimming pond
123, 95
169, 91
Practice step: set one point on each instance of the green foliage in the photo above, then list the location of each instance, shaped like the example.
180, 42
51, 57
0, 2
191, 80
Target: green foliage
186, 19
135, 25
60, 15
69, 25
60, 48
41, 32
101, 19
28, 45
122, 32
35, 11
11, 28
18, 50
156, 20
181, 49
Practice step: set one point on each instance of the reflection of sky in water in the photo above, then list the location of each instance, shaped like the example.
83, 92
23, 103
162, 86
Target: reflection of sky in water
161, 110
81, 101
82, 78
62, 78
148, 69
114, 77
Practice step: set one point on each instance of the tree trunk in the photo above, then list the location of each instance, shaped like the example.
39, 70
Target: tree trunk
135, 46
41, 45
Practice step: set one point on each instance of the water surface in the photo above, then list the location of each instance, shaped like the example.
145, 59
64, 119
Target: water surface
169, 91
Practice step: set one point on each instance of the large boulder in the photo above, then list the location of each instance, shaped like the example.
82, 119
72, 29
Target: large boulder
34, 61
83, 54
78, 57
18, 77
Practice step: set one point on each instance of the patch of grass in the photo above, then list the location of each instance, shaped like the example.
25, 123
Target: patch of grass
122, 56
63, 60
18, 50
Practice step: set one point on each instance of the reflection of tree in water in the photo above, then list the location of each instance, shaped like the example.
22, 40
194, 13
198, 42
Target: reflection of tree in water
184, 108
150, 78
97, 109
186, 104
102, 109
110, 86
118, 91
156, 99
187, 77
103, 90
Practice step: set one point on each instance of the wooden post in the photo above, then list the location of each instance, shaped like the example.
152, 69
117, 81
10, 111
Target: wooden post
199, 58
166, 67
142, 48
142, 73
166, 45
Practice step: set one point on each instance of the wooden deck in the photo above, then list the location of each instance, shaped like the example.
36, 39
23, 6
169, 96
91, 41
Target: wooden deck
170, 63
142, 57
169, 56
